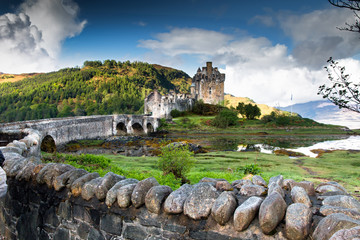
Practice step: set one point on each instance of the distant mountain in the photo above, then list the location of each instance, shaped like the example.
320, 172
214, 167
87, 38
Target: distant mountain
326, 112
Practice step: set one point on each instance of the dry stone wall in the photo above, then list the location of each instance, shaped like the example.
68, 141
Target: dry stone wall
58, 201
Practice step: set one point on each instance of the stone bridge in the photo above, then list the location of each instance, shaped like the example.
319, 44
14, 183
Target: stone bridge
59, 131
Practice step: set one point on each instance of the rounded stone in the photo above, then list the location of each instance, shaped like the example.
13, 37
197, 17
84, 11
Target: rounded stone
246, 212
224, 207
306, 185
277, 179
223, 186
346, 234
106, 183
198, 204
297, 221
274, 187
76, 186
271, 212
67, 178
124, 195
89, 188
342, 201
155, 197
299, 195
111, 195
327, 210
258, 180
252, 190
140, 191
174, 203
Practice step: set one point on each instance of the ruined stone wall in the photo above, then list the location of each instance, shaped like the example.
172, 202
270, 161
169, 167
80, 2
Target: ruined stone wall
58, 201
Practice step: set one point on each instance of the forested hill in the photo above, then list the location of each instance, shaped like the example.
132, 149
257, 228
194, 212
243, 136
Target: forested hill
98, 88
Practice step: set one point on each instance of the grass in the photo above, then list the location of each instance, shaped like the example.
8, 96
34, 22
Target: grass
340, 166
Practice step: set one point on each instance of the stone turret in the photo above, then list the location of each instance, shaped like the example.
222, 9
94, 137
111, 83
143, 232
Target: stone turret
208, 85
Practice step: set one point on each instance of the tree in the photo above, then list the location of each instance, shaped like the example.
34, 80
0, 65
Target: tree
252, 111
241, 108
343, 92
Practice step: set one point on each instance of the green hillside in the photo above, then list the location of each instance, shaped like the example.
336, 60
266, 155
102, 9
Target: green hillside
98, 88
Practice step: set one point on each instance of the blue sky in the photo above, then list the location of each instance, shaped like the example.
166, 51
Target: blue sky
267, 49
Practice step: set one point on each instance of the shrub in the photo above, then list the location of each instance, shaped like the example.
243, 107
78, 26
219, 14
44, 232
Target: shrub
225, 118
206, 109
250, 169
176, 159
176, 113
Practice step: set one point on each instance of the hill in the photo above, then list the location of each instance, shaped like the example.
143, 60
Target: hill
231, 101
14, 77
98, 88
326, 112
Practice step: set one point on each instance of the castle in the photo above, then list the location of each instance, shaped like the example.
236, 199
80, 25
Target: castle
207, 85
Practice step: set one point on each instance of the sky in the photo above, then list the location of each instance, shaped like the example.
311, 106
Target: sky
269, 50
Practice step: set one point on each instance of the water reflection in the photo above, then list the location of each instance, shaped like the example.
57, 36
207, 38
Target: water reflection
350, 143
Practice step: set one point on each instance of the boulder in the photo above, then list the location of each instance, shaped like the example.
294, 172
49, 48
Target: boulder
40, 176
77, 185
198, 204
272, 211
330, 187
342, 201
246, 212
65, 179
140, 191
174, 203
278, 179
224, 207
106, 183
329, 225
327, 210
26, 173
239, 183
274, 187
258, 180
124, 195
298, 221
252, 190
155, 197
346, 234
287, 183
223, 186
89, 188
306, 185
55, 171
299, 195
111, 195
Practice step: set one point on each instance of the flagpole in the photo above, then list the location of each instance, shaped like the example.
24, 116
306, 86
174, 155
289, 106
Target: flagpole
291, 105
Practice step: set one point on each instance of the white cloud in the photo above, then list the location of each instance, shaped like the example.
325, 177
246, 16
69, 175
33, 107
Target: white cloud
265, 20
31, 40
316, 36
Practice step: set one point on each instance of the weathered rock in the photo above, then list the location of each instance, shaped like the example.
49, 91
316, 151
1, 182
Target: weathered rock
330, 187
55, 171
200, 201
246, 212
239, 183
258, 180
224, 207
306, 185
287, 183
140, 191
64, 180
26, 173
342, 201
15, 165
155, 197
89, 188
327, 210
274, 187
106, 183
278, 179
329, 225
298, 221
174, 203
347, 234
111, 195
252, 190
299, 195
77, 185
271, 212
124, 195
223, 186
40, 176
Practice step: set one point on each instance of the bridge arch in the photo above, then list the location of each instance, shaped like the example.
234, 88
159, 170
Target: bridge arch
149, 128
48, 144
137, 128
121, 128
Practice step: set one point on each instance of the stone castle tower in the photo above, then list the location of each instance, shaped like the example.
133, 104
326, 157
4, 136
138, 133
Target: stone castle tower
208, 85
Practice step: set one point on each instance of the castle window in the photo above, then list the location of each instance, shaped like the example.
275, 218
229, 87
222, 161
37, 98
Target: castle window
210, 91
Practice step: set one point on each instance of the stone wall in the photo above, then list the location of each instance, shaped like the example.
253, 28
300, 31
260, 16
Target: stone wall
58, 201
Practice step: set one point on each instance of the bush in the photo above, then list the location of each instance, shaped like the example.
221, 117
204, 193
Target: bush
177, 160
206, 109
250, 169
225, 119
176, 113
